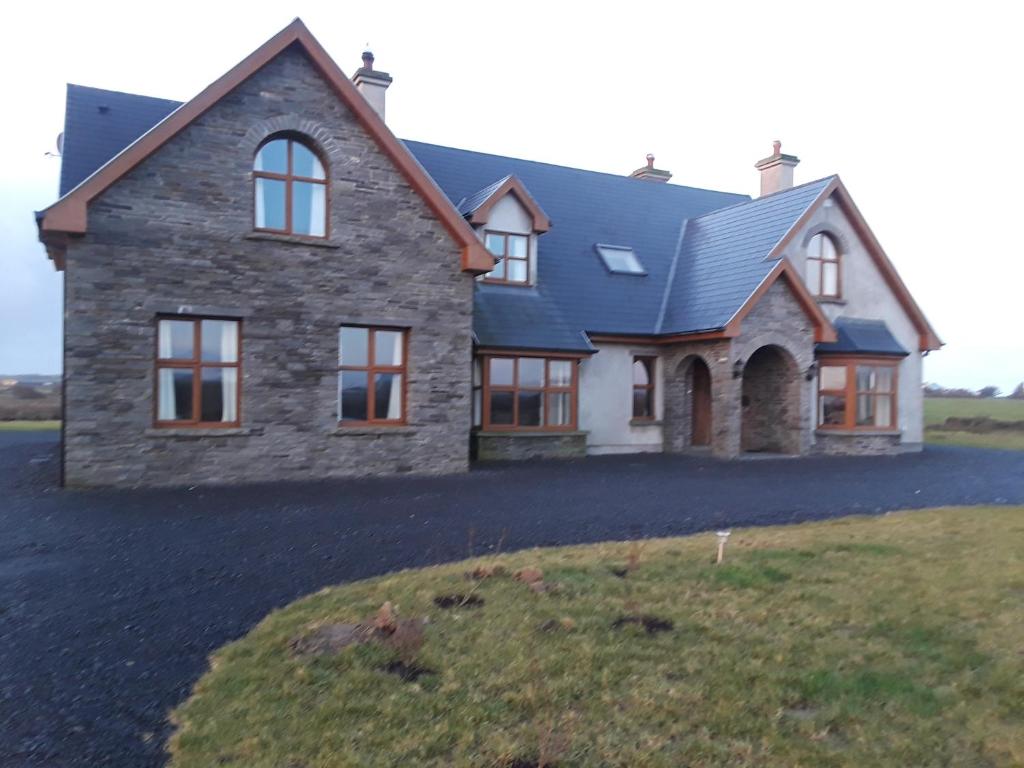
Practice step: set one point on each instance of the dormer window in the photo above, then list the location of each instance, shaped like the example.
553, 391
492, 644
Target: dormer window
620, 260
290, 189
823, 266
512, 255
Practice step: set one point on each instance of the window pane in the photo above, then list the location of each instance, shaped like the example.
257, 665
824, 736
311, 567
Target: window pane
218, 394
309, 214
814, 247
353, 346
175, 339
865, 378
273, 157
174, 394
641, 372
517, 270
642, 406
387, 396
560, 373
832, 377
270, 204
559, 409
501, 407
219, 340
531, 372
531, 408
620, 259
830, 278
865, 410
832, 409
387, 348
495, 244
501, 372
352, 396
884, 379
498, 273
305, 163
828, 248
814, 276
517, 246
883, 411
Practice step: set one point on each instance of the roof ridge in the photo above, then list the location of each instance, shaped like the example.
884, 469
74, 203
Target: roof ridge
765, 197
571, 168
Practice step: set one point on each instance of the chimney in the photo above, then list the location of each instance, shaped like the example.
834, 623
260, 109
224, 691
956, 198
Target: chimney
650, 173
372, 83
776, 170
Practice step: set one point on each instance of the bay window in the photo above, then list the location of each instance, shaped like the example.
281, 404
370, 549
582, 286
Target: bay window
528, 393
198, 372
857, 394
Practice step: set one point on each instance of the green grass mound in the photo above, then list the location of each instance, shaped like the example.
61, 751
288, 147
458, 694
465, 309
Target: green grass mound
889, 641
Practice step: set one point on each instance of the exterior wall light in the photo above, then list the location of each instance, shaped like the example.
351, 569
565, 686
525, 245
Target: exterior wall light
812, 371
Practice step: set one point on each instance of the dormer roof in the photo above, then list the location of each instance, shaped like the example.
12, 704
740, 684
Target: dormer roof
477, 206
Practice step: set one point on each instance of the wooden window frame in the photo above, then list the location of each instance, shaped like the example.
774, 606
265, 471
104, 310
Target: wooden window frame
196, 365
505, 258
818, 290
371, 369
850, 393
289, 178
650, 388
572, 390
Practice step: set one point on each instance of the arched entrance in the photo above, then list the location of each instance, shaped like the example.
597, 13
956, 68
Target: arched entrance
688, 405
700, 403
771, 402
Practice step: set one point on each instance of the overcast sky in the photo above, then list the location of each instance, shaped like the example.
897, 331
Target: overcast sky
918, 110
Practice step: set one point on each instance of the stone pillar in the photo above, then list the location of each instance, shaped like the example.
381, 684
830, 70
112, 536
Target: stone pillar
726, 410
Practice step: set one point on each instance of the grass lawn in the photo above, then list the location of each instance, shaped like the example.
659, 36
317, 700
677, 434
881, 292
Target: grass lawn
25, 426
888, 641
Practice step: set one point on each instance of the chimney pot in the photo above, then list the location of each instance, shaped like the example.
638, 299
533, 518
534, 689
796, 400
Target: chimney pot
368, 59
776, 170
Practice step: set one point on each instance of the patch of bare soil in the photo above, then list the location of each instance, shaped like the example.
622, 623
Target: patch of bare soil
410, 672
458, 601
652, 624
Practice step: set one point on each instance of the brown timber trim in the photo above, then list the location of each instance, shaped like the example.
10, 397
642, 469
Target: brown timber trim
70, 214
850, 393
611, 338
823, 330
289, 178
512, 185
485, 401
371, 368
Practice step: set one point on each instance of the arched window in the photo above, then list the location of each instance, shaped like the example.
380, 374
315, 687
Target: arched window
290, 189
823, 266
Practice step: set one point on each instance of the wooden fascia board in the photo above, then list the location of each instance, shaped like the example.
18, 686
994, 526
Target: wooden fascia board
516, 352
512, 185
823, 329
780, 247
69, 214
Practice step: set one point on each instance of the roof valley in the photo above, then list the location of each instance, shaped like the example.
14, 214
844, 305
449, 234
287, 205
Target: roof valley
671, 277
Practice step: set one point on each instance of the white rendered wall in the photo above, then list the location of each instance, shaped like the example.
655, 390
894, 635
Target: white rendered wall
606, 401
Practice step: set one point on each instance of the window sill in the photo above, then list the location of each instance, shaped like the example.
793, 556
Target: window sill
861, 432
837, 300
197, 432
528, 433
315, 242
364, 430
645, 422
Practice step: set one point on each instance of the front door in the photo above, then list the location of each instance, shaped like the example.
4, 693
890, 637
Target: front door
701, 421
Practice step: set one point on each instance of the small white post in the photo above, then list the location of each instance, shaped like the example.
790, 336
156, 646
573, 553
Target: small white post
723, 536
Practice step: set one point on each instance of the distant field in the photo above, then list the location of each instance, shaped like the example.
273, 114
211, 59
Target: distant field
27, 426
938, 409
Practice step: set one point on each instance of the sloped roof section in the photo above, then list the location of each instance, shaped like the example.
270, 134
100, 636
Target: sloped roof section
98, 124
862, 337
523, 318
471, 204
724, 254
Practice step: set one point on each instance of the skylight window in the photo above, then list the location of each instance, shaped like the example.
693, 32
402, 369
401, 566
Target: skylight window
620, 260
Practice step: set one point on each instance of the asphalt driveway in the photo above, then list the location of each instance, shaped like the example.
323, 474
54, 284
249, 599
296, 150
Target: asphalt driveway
111, 601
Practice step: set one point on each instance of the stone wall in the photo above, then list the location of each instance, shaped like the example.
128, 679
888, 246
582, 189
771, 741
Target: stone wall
498, 446
771, 403
856, 444
176, 232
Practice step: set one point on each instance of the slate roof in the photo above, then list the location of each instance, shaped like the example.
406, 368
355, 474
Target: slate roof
98, 124
703, 251
866, 337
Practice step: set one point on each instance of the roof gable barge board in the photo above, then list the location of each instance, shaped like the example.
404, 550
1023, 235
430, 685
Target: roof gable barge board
928, 338
480, 209
69, 215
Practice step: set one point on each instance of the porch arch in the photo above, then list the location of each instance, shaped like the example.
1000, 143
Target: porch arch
688, 405
771, 402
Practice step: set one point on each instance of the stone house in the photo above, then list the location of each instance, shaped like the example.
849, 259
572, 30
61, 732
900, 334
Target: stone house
265, 283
